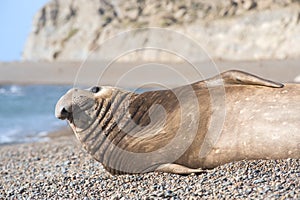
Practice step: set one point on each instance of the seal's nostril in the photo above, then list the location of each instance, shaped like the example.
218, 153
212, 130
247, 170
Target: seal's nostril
64, 113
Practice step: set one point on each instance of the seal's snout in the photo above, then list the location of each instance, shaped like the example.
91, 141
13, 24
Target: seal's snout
63, 108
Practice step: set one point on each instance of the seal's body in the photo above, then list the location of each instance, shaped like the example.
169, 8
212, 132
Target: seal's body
230, 117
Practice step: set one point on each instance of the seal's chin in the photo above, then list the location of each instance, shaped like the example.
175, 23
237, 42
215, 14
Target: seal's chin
70, 119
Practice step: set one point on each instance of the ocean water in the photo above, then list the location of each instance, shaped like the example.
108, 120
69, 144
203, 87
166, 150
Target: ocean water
27, 112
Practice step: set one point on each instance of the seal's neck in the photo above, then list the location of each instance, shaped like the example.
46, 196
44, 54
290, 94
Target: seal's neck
109, 116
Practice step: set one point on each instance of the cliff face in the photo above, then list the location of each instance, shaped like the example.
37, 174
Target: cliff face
226, 29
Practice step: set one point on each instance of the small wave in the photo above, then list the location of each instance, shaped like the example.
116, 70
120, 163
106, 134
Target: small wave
2, 91
18, 136
42, 133
15, 89
12, 90
9, 136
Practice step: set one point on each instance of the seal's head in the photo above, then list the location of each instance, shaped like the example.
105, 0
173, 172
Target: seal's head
82, 107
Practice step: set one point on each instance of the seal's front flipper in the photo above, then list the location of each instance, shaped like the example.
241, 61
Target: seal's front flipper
235, 77
178, 169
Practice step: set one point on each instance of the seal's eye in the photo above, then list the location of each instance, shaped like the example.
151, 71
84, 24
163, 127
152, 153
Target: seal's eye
95, 89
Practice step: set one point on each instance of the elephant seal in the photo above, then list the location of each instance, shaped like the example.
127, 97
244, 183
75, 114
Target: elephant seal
153, 131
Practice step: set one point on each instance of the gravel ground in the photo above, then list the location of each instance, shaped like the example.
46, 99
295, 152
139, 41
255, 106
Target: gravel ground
61, 169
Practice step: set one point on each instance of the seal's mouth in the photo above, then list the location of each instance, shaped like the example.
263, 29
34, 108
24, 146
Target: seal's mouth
64, 113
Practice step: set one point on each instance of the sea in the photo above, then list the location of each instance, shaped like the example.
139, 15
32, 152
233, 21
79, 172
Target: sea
27, 112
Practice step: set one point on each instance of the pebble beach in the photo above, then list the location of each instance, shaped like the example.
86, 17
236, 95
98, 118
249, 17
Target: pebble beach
61, 169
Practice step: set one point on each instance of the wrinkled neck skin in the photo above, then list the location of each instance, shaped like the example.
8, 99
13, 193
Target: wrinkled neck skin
98, 123
97, 117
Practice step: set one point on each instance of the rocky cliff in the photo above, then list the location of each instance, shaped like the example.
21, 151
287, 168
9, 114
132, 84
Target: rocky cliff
67, 30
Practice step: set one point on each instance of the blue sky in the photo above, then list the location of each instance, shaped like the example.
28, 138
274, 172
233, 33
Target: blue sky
16, 23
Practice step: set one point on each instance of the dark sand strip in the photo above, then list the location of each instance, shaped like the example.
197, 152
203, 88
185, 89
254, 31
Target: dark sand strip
136, 74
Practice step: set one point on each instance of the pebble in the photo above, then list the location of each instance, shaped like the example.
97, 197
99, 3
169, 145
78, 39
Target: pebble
60, 169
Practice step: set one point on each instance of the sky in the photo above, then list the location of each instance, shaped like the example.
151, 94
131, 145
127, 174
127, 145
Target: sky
16, 23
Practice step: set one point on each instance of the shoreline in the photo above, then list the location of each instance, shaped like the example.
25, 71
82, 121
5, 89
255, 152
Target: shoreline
65, 131
48, 137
